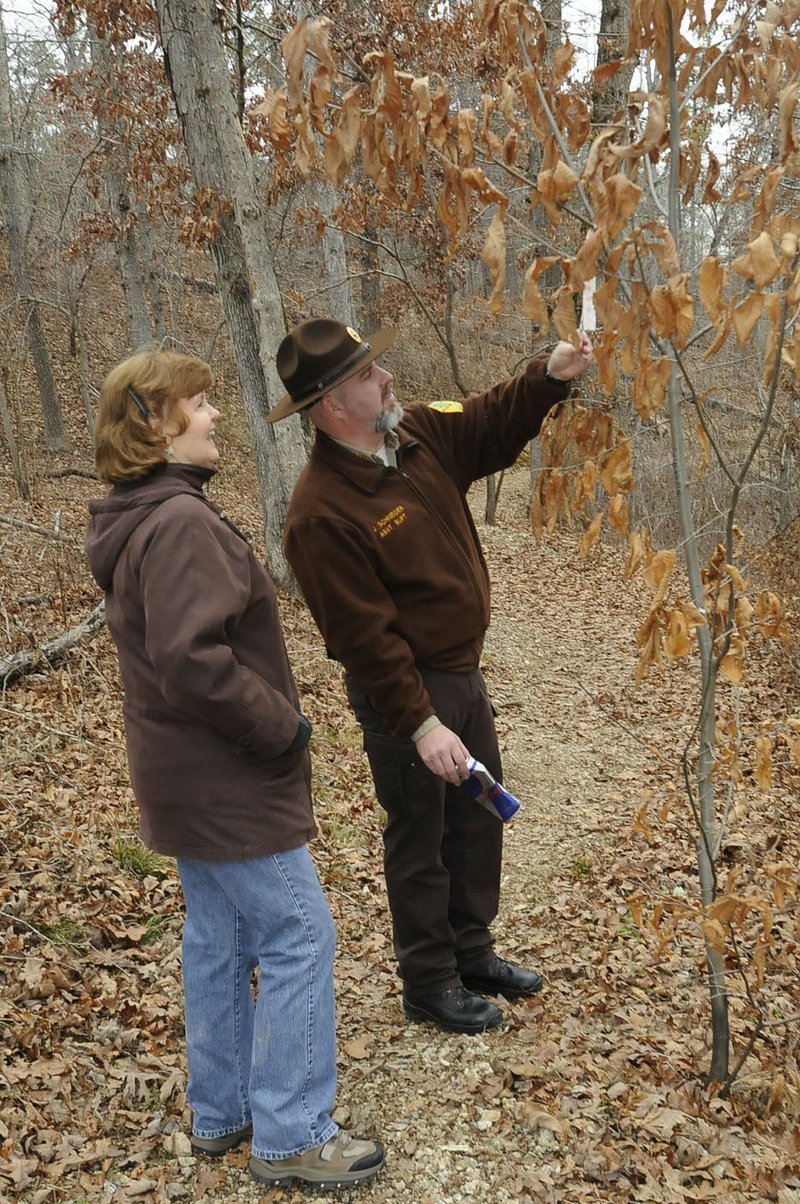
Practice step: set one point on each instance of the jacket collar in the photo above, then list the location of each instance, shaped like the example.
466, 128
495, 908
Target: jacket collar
193, 474
167, 478
362, 471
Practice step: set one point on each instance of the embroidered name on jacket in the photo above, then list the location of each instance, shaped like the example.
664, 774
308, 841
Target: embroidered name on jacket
389, 521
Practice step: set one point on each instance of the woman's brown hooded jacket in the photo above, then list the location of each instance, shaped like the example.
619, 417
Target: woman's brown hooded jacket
210, 706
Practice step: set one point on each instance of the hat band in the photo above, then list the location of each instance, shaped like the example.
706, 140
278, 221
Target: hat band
325, 382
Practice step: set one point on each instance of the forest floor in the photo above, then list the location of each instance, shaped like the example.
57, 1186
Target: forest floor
592, 1091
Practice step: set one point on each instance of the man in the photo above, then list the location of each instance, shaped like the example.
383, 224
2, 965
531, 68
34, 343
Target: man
381, 539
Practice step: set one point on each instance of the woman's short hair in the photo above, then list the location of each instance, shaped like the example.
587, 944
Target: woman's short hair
149, 384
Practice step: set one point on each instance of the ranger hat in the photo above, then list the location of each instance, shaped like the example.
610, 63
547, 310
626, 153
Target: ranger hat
318, 355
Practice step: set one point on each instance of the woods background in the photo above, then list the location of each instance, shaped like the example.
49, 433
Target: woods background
202, 176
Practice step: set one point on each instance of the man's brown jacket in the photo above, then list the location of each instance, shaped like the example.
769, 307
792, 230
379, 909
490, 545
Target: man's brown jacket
389, 559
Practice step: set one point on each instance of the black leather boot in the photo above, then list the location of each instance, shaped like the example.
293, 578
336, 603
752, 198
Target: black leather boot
453, 1011
499, 977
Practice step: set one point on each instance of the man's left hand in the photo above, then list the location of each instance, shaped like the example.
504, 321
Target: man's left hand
566, 362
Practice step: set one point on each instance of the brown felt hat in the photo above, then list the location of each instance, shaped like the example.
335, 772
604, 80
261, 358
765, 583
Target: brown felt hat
317, 356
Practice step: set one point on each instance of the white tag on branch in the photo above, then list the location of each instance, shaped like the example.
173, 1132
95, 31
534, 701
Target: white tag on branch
588, 314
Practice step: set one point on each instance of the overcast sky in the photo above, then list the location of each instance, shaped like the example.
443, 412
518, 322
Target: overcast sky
581, 17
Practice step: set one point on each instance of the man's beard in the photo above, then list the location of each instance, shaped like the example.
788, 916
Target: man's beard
387, 420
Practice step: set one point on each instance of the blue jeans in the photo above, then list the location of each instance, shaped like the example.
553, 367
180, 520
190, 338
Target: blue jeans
272, 1059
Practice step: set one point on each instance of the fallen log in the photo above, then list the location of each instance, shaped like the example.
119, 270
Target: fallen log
72, 472
48, 532
32, 660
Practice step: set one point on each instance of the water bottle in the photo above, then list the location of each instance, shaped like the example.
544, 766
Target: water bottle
487, 791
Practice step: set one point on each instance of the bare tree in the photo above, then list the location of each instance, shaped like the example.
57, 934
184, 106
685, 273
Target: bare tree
119, 199
200, 78
17, 217
17, 462
610, 96
334, 253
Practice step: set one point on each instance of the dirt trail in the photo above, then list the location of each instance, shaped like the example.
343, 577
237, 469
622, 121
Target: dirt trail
560, 660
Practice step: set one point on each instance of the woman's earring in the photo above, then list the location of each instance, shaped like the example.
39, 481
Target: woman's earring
170, 451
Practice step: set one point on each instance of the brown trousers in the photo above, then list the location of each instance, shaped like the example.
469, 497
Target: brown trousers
442, 850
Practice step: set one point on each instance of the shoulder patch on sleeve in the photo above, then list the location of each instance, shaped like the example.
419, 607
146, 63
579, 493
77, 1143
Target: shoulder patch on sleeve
447, 407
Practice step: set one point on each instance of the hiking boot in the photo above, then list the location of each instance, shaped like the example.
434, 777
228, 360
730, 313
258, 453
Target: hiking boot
453, 1011
499, 977
220, 1145
341, 1162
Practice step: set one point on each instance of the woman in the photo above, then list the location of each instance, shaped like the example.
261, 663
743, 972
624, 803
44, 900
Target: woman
218, 761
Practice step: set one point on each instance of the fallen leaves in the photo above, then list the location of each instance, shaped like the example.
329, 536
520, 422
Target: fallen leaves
591, 1090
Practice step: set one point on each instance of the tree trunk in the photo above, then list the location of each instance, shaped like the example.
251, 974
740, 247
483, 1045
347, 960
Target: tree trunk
551, 277
494, 484
609, 100
119, 199
152, 273
83, 353
789, 459
704, 803
220, 161
338, 295
370, 280
334, 253
553, 19
16, 214
17, 465
72, 291
706, 840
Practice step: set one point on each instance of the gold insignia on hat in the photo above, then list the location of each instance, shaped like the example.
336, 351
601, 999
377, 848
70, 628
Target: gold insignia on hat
354, 334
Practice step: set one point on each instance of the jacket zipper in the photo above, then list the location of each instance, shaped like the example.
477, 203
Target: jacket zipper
453, 542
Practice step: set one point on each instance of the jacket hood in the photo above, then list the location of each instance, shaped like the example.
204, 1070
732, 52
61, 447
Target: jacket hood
115, 517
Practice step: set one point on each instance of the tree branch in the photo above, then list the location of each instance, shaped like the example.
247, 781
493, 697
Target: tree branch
21, 664
46, 531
